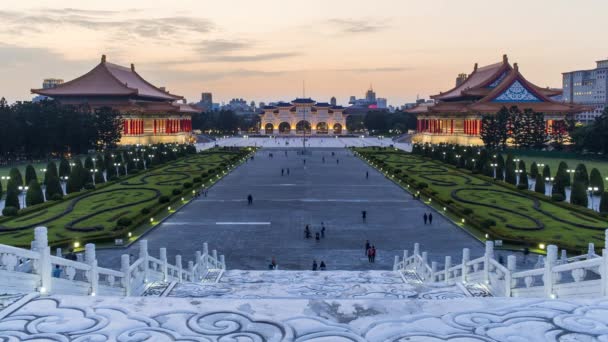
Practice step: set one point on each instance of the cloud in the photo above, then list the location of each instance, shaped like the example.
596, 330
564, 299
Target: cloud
252, 58
220, 46
356, 26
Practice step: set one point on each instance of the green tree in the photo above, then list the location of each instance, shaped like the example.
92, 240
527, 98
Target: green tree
64, 168
30, 174
581, 175
53, 187
51, 170
77, 178
88, 163
500, 168
490, 131
34, 193
546, 172
510, 176
15, 176
578, 194
558, 184
539, 185
604, 203
12, 194
534, 170
108, 126
562, 171
523, 175
596, 181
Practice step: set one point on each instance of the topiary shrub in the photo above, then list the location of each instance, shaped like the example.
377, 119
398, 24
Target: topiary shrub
176, 191
145, 211
422, 185
487, 223
56, 197
197, 179
124, 221
467, 211
89, 186
113, 178
163, 199
558, 197
187, 185
10, 211
522, 186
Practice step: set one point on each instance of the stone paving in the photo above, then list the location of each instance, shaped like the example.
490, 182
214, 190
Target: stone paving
334, 193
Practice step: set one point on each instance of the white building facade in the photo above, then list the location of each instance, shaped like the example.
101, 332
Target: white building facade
587, 87
303, 116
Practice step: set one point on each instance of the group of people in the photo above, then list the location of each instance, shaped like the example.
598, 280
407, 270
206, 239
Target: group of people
318, 235
428, 218
320, 266
284, 171
370, 252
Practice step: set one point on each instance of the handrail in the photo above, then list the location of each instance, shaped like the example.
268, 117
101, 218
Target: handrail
26, 253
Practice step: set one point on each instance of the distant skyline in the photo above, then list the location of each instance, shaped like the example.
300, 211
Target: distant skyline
263, 50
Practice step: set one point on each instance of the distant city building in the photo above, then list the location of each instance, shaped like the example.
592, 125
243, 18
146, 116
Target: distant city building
352, 100
461, 78
333, 101
587, 87
370, 95
369, 103
381, 103
206, 102
240, 106
303, 116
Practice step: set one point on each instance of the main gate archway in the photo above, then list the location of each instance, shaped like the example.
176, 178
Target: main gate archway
337, 128
284, 128
322, 128
269, 128
303, 126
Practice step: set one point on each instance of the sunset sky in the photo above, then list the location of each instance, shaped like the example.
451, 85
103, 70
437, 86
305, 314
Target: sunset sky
262, 50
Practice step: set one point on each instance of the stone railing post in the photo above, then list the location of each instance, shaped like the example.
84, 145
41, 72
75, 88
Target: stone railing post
405, 256
58, 253
512, 267
190, 270
214, 254
564, 257
223, 261
590, 250
124, 268
466, 257
143, 254
178, 264
604, 268
433, 271
91, 259
448, 264
425, 259
416, 248
396, 263
199, 262
165, 264
548, 274
489, 254
44, 269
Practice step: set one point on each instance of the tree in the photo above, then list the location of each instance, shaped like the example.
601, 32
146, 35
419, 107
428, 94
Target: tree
12, 194
596, 181
593, 137
376, 121
15, 176
534, 170
109, 165
523, 175
64, 168
34, 193
580, 175
504, 124
490, 131
546, 172
77, 179
528, 128
1, 190
539, 185
558, 184
53, 187
108, 125
500, 168
30, 174
578, 194
604, 203
510, 176
538, 133
559, 134
562, 171
88, 163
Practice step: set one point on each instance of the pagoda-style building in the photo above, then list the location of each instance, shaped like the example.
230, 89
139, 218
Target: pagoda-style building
150, 114
303, 116
455, 116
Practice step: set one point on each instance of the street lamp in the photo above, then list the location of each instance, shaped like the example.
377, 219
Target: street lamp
6, 178
494, 166
23, 191
93, 172
518, 172
116, 165
72, 165
591, 190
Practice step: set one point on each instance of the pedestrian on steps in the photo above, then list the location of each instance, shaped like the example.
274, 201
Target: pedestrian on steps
373, 254
367, 246
314, 265
430, 218
425, 218
249, 199
364, 215
322, 266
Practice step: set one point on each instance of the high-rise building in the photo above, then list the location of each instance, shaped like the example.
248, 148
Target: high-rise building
206, 101
370, 95
333, 101
381, 102
49, 83
587, 87
352, 100
461, 78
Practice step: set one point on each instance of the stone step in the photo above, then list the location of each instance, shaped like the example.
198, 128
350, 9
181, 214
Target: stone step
316, 277
86, 318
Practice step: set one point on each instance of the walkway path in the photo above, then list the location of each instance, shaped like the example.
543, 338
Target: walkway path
332, 193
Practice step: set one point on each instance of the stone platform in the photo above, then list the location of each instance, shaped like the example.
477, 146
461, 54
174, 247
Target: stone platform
65, 318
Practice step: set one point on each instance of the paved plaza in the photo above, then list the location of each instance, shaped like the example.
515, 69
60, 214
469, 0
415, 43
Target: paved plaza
314, 142
334, 193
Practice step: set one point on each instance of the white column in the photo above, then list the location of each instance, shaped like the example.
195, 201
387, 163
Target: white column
512, 267
590, 250
564, 257
44, 269
164, 266
58, 252
448, 264
190, 270
489, 254
143, 254
178, 264
433, 270
223, 261
548, 275
124, 268
396, 263
198, 262
416, 248
91, 259
604, 274
405, 256
214, 254
466, 257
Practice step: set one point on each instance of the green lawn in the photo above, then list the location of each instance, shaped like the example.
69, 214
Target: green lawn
518, 216
95, 214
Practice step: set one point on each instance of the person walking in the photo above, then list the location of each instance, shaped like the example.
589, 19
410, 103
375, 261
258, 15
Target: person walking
373, 250
57, 271
425, 218
430, 218
322, 230
323, 159
282, 172
307, 232
364, 215
318, 236
366, 174
322, 266
288, 171
367, 246
337, 161
369, 255
250, 200
314, 265
273, 263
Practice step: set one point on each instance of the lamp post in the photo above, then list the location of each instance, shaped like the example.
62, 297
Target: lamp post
5, 178
570, 171
63, 180
550, 181
591, 190
93, 172
458, 156
72, 165
116, 165
518, 173
22, 192
494, 166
